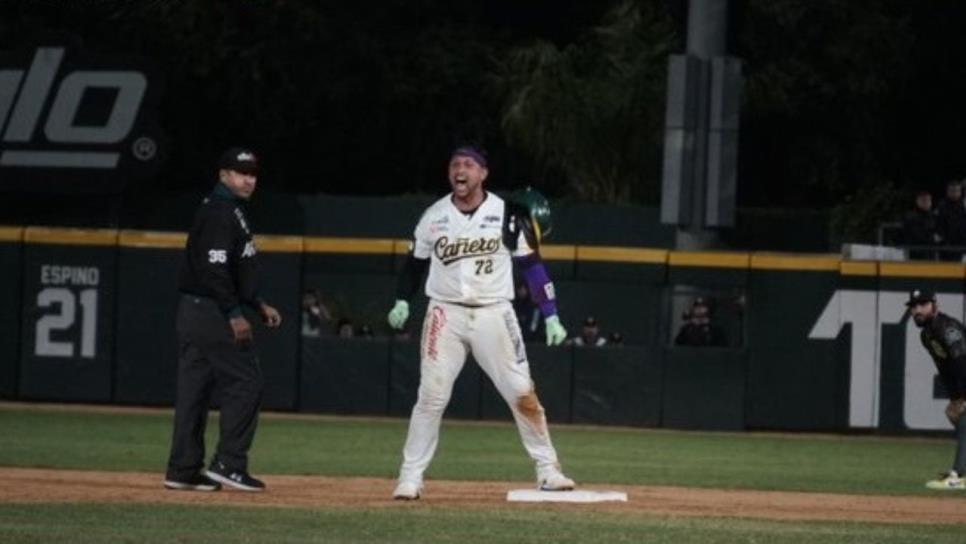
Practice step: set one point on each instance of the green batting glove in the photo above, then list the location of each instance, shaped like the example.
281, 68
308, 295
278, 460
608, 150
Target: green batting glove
399, 314
556, 333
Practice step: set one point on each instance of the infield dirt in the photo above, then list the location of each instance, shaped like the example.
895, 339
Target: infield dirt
27, 485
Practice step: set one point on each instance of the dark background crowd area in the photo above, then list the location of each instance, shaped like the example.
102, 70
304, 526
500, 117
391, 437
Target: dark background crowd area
849, 106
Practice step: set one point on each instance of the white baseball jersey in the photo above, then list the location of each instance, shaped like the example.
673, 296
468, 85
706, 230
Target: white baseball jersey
469, 263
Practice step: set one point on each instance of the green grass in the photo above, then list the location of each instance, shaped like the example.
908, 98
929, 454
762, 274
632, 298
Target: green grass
146, 524
78, 439
353, 447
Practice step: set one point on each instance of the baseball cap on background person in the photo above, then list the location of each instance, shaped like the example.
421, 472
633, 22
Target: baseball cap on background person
240, 160
920, 296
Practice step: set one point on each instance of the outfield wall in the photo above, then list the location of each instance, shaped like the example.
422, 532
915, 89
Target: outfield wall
815, 343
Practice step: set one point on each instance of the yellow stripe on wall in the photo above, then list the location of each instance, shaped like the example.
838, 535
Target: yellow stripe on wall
859, 268
709, 259
279, 244
954, 271
811, 263
622, 254
348, 245
558, 252
552, 252
152, 239
11, 234
70, 237
401, 247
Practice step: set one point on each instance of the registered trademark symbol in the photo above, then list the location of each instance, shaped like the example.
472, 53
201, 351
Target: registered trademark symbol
144, 148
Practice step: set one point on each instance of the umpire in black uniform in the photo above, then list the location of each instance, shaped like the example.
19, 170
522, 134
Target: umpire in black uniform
215, 344
945, 339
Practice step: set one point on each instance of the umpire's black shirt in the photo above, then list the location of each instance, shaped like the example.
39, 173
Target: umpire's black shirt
220, 254
945, 339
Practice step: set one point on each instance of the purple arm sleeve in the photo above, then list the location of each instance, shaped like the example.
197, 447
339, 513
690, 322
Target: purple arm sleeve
539, 284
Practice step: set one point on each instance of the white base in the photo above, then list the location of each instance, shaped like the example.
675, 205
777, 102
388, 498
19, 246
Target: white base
580, 495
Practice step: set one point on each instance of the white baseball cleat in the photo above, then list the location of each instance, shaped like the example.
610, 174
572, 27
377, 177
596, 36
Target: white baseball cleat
551, 479
407, 491
948, 481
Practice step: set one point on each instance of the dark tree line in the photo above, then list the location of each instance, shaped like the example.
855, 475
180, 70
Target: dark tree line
842, 96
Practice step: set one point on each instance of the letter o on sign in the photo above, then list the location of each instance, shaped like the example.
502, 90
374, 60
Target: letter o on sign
60, 123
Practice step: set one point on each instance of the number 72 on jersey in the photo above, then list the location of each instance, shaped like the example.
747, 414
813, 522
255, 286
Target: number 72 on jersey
483, 266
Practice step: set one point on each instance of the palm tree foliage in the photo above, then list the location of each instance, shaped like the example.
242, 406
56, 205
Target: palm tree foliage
593, 110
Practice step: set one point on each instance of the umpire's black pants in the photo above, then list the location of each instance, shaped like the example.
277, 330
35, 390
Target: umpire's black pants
209, 356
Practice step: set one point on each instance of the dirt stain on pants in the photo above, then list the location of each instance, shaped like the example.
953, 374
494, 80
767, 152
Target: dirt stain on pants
529, 406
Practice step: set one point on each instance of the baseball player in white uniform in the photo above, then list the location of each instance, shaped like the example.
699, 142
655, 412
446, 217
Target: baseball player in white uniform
469, 240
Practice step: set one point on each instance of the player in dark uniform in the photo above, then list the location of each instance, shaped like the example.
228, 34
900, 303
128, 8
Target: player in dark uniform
215, 340
945, 340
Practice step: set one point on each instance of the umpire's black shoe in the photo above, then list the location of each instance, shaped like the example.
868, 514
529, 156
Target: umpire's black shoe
197, 482
238, 479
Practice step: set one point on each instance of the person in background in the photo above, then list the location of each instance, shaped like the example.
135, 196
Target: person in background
944, 338
344, 328
951, 221
589, 334
315, 315
920, 227
699, 330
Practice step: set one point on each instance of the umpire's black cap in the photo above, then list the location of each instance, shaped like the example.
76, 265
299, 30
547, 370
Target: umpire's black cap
920, 296
240, 160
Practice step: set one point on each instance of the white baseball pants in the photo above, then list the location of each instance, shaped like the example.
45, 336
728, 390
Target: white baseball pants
492, 334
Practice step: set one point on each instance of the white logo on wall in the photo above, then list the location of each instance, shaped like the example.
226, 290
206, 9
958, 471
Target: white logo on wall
867, 312
68, 295
23, 96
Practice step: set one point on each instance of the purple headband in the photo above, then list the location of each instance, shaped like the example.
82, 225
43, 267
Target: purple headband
471, 152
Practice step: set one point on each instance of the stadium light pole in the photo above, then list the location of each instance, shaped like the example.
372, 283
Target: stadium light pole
701, 130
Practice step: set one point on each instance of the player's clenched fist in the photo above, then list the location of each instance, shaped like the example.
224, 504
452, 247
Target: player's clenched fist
556, 333
399, 314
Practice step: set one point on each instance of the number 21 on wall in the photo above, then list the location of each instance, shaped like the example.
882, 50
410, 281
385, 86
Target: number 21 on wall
66, 299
